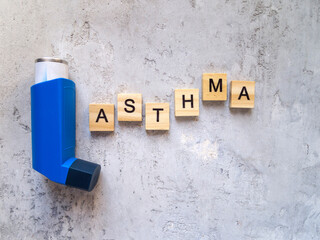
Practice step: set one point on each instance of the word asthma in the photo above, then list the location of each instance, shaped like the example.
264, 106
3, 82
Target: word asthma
214, 88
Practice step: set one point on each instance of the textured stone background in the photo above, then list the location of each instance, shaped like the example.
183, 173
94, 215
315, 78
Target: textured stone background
229, 174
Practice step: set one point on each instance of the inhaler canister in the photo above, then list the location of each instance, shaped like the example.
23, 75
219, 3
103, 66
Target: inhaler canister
50, 68
53, 121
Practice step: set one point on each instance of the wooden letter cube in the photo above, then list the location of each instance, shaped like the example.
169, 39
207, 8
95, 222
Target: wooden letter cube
242, 94
214, 87
157, 116
186, 102
130, 107
101, 117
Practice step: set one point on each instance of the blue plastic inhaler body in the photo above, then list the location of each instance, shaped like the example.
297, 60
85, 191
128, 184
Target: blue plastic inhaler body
53, 122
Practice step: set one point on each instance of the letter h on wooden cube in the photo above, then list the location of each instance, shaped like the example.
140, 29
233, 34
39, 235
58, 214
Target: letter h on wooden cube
186, 102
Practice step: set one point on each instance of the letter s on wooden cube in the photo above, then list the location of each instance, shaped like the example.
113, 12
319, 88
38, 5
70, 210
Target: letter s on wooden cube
130, 107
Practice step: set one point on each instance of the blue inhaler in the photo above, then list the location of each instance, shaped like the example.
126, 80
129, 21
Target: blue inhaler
53, 120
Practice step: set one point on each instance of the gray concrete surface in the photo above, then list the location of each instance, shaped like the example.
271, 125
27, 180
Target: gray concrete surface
229, 174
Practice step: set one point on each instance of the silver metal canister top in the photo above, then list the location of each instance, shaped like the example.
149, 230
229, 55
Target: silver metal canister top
48, 68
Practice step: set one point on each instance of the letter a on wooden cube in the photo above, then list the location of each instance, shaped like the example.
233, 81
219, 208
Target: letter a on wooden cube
214, 87
186, 102
101, 117
130, 107
242, 94
157, 116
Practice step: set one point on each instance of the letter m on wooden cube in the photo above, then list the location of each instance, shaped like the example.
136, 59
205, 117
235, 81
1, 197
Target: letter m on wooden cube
214, 87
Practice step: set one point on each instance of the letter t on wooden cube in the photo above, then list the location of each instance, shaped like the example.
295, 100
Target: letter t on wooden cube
242, 94
101, 117
130, 107
214, 87
157, 116
186, 102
